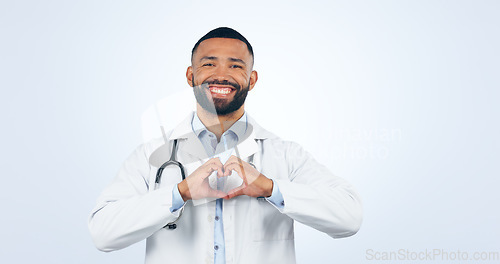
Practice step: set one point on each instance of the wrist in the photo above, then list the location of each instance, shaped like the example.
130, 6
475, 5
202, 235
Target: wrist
268, 190
184, 190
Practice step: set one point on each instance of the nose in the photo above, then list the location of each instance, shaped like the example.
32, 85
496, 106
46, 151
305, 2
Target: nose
221, 74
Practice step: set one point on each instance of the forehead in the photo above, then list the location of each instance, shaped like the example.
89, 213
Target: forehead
222, 48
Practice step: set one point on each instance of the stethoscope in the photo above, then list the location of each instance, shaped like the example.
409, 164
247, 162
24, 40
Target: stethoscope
173, 162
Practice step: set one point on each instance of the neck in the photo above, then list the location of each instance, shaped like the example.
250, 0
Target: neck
218, 124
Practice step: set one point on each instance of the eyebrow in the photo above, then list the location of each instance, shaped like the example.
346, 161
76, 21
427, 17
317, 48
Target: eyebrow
237, 60
231, 59
208, 58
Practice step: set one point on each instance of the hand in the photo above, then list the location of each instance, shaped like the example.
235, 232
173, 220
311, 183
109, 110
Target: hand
255, 184
196, 186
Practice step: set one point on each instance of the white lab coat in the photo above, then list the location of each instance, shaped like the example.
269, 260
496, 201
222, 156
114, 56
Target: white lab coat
255, 231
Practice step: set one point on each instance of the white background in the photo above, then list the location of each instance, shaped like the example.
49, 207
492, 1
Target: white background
398, 97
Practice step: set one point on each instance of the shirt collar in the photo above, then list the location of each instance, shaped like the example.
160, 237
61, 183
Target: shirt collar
239, 127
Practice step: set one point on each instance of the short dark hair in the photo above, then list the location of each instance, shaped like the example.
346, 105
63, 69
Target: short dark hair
223, 32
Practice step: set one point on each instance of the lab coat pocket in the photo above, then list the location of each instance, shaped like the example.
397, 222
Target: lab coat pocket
268, 223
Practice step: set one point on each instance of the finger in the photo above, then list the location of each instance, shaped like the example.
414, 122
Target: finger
228, 168
209, 168
213, 164
237, 161
236, 192
220, 170
234, 159
236, 167
216, 159
227, 171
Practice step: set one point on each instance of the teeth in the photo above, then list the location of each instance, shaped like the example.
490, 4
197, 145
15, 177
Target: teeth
220, 90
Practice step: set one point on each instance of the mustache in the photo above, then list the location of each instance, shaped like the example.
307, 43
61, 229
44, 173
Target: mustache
225, 82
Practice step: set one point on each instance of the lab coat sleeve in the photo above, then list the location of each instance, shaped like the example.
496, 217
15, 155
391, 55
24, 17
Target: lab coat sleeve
317, 198
126, 211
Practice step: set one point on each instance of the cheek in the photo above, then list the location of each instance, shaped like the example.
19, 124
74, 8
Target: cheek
243, 78
202, 75
197, 78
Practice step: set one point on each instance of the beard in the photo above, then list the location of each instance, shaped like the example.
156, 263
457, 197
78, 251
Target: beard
220, 106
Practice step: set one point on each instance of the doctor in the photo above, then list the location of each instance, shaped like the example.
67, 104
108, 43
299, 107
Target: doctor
244, 186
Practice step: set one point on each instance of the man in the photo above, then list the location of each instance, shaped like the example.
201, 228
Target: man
244, 186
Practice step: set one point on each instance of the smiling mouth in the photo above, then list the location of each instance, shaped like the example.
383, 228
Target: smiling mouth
220, 90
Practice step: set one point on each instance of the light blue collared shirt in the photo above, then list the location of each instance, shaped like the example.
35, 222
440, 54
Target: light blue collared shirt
228, 140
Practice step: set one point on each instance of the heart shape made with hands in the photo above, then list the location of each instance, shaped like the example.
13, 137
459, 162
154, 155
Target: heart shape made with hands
225, 183
233, 178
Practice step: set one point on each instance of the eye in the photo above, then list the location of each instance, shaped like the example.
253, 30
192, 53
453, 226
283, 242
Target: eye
236, 66
207, 65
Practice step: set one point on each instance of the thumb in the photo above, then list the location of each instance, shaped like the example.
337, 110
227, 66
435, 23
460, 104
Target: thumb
235, 192
216, 194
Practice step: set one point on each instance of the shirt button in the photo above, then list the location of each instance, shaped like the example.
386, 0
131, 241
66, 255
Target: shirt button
282, 203
216, 218
216, 247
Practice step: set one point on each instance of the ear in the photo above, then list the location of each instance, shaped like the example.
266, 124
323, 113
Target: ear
189, 76
253, 79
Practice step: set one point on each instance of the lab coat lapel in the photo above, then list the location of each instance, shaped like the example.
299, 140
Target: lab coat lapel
190, 147
247, 146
